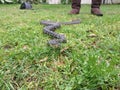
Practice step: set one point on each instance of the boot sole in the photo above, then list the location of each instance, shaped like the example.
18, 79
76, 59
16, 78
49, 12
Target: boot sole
97, 14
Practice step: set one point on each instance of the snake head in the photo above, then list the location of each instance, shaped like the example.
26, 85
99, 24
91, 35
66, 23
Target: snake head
54, 43
62, 38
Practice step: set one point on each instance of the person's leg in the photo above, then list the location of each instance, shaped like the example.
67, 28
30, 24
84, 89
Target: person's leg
95, 7
76, 4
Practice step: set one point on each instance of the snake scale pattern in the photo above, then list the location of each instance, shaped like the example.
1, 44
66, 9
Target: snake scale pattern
50, 28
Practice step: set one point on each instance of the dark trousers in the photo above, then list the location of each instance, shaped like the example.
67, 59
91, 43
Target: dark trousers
76, 4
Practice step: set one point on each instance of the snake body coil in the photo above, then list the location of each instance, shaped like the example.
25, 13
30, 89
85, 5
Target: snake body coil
49, 29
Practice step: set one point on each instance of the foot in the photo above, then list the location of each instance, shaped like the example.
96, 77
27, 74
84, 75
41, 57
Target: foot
74, 11
96, 11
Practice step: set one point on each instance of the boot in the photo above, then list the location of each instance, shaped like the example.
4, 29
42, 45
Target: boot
95, 7
76, 4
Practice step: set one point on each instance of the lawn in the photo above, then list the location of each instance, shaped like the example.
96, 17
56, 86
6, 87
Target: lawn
90, 60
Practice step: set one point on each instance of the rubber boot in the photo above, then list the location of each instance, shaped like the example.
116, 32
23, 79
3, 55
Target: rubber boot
95, 7
76, 4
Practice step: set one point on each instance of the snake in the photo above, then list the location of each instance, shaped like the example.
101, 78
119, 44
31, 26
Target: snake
51, 26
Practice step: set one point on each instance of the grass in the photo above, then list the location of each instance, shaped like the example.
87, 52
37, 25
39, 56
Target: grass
90, 60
